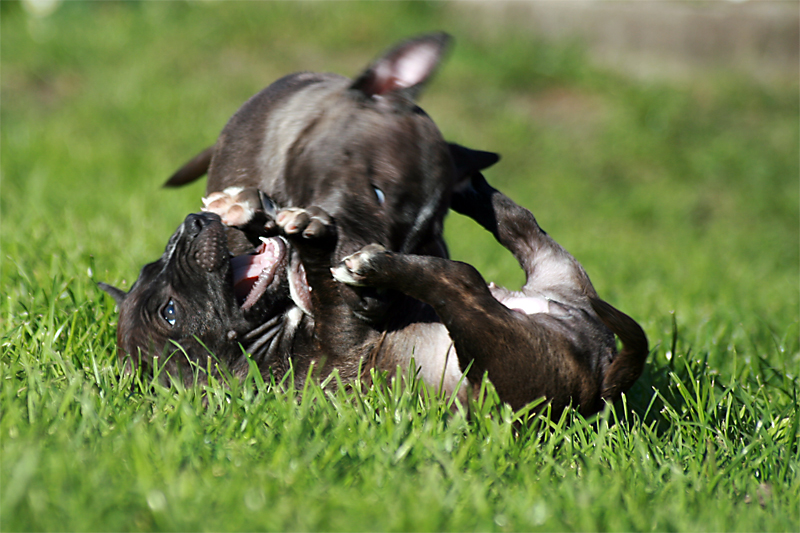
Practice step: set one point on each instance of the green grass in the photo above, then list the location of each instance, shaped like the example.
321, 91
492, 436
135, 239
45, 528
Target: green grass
680, 199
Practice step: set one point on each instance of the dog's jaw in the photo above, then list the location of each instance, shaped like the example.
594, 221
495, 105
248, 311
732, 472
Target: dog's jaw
254, 273
299, 289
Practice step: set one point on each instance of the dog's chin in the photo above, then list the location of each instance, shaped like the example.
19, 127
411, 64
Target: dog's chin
260, 275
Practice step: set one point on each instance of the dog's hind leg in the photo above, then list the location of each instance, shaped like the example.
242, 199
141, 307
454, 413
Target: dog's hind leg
549, 268
519, 352
627, 365
553, 273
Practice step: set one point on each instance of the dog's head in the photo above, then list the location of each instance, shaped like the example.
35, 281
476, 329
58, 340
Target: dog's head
197, 301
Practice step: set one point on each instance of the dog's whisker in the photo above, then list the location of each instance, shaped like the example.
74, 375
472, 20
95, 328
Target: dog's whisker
267, 337
273, 344
266, 346
265, 326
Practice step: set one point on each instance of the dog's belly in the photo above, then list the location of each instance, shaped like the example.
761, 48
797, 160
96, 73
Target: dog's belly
518, 301
529, 305
433, 354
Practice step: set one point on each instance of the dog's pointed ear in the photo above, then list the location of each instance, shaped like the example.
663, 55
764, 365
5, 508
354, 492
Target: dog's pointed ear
118, 294
405, 68
468, 161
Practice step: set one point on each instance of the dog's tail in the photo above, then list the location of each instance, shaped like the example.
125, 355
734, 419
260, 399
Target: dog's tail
194, 169
628, 365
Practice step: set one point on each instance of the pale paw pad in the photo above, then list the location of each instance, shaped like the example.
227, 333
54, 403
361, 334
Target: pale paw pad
235, 206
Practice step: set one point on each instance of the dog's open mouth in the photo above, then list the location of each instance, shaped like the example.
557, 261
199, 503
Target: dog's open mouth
254, 273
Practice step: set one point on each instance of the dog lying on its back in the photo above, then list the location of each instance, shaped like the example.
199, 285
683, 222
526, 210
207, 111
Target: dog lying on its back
554, 339
362, 150
199, 300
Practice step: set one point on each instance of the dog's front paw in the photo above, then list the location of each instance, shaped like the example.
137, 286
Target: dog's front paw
307, 226
355, 269
236, 206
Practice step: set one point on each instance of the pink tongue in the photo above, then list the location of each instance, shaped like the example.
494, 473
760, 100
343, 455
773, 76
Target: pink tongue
247, 269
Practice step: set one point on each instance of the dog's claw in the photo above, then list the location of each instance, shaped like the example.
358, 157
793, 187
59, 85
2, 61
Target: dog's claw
311, 224
342, 274
355, 268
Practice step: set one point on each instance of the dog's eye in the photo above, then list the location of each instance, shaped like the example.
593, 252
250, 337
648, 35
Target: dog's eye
168, 312
380, 195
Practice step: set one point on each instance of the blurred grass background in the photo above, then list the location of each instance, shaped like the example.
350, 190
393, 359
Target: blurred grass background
676, 198
681, 197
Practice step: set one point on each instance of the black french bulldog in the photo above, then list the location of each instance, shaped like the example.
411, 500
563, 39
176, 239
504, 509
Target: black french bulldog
369, 167
553, 339
360, 149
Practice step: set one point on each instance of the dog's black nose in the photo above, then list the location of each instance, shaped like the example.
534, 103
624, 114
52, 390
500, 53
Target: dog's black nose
195, 223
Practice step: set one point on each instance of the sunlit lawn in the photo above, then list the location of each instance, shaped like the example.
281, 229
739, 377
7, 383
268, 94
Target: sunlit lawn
680, 199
